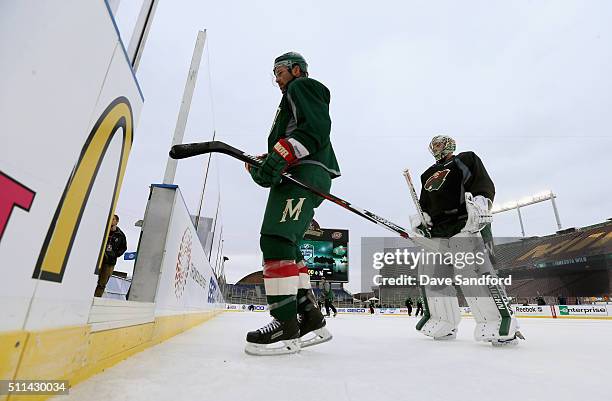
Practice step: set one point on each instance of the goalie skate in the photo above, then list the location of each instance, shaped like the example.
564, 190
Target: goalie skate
275, 338
450, 336
509, 342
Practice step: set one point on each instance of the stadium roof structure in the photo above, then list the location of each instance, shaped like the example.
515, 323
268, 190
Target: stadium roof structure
252, 278
566, 247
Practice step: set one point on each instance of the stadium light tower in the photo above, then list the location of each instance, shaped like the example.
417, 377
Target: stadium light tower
526, 201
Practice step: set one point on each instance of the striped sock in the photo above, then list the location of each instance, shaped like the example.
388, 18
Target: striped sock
304, 303
281, 282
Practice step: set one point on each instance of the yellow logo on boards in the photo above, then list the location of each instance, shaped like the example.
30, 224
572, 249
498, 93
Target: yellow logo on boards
58, 243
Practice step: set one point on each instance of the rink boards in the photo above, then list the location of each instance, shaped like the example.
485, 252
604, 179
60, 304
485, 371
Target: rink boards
69, 104
529, 311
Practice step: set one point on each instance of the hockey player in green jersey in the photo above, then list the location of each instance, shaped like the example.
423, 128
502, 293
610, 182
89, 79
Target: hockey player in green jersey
298, 143
328, 295
456, 199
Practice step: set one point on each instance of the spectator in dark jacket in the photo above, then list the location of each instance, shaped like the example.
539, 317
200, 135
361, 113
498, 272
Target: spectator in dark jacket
116, 245
408, 304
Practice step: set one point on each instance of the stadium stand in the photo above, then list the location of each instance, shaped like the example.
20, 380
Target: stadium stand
570, 264
250, 290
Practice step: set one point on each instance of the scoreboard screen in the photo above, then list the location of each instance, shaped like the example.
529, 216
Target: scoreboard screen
325, 252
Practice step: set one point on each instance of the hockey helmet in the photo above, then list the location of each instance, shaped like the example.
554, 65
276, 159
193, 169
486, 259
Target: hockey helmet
290, 59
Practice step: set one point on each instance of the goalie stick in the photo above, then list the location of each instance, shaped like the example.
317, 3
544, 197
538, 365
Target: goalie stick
194, 149
415, 198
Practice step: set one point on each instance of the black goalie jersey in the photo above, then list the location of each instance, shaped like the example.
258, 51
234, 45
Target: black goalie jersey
444, 186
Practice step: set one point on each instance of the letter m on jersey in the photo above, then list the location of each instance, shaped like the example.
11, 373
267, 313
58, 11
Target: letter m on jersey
293, 212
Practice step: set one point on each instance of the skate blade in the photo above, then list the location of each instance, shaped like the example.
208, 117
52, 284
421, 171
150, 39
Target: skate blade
509, 343
318, 336
512, 342
448, 337
284, 347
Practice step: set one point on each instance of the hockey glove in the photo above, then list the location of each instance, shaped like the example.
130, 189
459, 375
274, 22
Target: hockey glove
283, 156
418, 225
479, 213
254, 172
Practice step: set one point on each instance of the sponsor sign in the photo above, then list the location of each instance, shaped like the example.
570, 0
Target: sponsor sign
352, 310
392, 311
532, 310
187, 279
582, 310
245, 307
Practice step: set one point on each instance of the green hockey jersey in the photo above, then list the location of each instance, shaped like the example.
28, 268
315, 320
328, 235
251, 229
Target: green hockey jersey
303, 115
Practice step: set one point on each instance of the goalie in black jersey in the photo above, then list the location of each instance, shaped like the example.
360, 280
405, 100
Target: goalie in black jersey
456, 200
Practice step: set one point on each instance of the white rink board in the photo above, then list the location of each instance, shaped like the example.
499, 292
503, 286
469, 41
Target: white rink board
543, 311
79, 281
187, 282
57, 79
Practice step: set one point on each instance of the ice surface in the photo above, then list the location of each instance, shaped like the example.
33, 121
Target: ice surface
370, 358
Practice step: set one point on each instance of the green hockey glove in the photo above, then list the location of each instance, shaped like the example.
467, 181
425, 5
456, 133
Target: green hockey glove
283, 155
254, 172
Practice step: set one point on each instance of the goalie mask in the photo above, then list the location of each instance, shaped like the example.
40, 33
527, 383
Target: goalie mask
441, 146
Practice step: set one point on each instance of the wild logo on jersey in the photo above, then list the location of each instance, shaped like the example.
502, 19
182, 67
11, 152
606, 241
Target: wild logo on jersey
434, 182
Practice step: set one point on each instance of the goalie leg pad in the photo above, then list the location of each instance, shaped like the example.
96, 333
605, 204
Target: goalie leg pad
441, 317
492, 324
490, 307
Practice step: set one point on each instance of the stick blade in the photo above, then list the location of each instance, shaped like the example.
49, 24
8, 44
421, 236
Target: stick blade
186, 150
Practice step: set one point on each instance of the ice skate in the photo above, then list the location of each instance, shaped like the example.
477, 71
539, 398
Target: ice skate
514, 341
275, 338
312, 328
450, 336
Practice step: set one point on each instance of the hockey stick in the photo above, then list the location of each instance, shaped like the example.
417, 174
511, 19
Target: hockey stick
194, 149
415, 198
